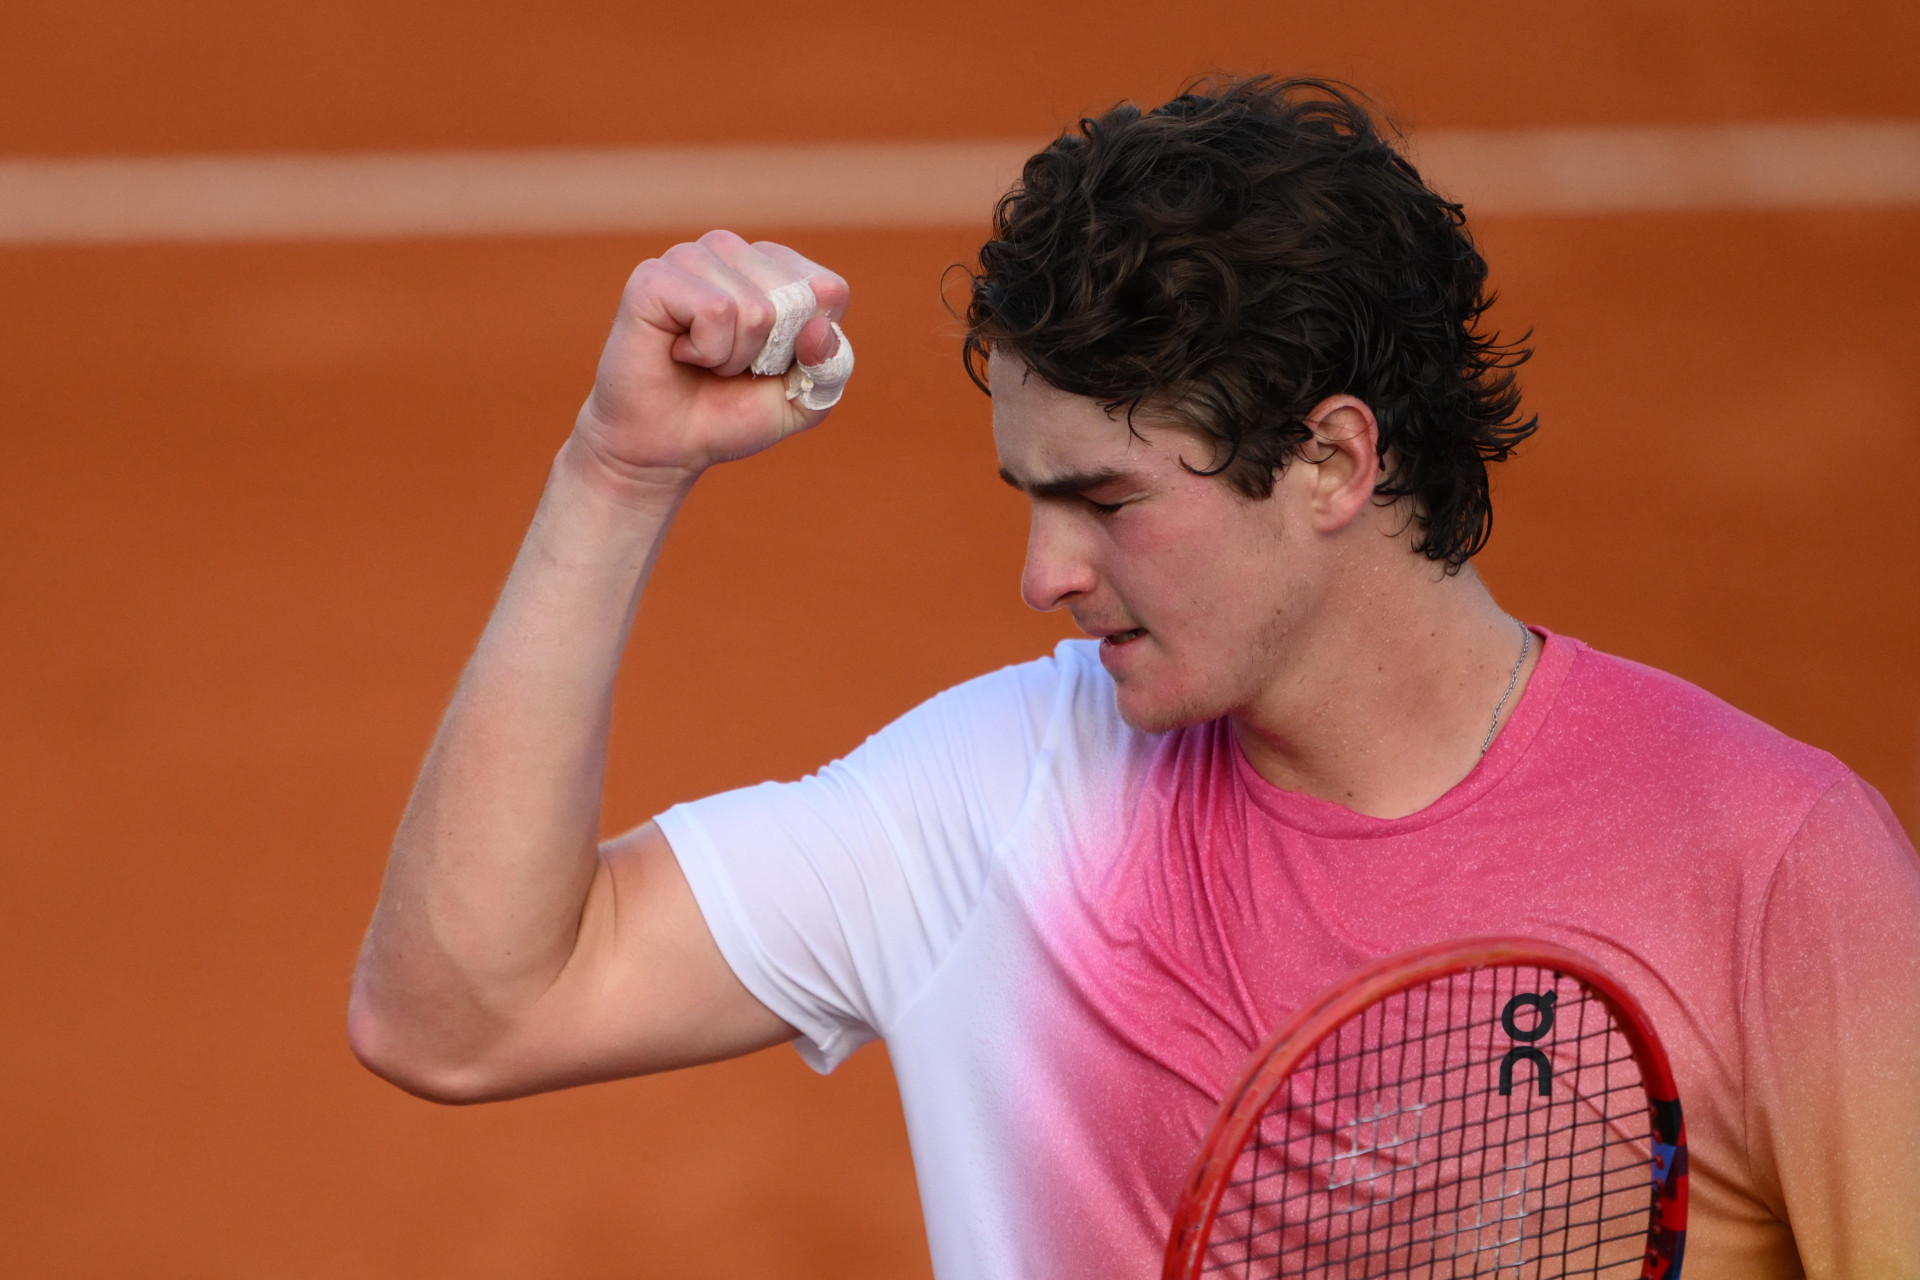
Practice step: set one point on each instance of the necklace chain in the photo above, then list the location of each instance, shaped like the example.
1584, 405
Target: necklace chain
1526, 646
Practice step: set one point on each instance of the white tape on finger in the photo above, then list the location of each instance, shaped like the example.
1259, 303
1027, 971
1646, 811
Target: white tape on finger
818, 386
793, 305
813, 386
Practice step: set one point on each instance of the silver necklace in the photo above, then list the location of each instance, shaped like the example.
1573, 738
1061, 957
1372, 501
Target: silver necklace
1526, 646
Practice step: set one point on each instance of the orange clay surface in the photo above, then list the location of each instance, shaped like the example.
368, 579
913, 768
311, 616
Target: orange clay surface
255, 501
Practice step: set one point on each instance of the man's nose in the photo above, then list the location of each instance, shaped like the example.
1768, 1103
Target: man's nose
1058, 568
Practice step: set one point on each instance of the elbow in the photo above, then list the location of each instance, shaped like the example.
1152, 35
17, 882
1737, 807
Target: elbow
391, 1047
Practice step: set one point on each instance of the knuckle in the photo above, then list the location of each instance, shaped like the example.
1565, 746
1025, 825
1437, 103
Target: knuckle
648, 280
756, 315
831, 290
682, 255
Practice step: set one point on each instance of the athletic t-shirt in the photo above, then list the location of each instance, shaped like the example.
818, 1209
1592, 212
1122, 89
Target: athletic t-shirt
1071, 936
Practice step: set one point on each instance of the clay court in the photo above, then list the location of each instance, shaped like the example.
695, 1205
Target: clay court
258, 497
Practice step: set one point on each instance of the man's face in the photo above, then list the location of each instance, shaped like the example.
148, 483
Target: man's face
1193, 589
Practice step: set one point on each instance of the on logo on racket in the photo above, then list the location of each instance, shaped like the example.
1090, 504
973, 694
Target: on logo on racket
1275, 1192
1542, 1005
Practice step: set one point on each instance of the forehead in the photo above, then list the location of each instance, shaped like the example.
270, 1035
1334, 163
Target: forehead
1041, 431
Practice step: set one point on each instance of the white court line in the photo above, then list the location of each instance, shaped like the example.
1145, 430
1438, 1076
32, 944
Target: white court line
928, 184
1733, 166
475, 193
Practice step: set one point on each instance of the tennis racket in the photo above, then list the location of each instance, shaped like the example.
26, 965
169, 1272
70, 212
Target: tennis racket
1493, 1107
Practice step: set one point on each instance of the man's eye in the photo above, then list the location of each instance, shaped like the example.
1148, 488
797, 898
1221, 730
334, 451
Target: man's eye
1102, 508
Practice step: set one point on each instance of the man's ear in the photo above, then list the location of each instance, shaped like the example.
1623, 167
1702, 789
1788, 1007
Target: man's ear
1341, 462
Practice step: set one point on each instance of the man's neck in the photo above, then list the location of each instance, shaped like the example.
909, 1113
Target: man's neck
1385, 707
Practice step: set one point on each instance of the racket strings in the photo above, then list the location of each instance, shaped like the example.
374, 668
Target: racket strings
1391, 1151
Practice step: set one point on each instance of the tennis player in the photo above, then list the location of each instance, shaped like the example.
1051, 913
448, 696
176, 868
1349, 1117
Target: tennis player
1238, 365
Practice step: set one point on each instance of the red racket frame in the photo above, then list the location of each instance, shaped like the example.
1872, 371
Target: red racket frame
1288, 1047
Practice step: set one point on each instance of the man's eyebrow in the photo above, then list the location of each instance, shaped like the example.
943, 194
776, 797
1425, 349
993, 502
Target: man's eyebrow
1071, 485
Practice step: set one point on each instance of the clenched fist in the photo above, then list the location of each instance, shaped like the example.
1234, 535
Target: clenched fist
673, 393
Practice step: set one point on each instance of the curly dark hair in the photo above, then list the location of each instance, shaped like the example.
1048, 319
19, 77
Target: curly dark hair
1238, 255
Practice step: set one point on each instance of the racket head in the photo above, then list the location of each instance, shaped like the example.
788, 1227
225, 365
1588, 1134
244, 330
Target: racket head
1516, 994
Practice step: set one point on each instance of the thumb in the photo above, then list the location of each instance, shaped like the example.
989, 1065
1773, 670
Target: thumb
816, 384
817, 342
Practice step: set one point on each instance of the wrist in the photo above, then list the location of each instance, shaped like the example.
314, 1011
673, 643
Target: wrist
651, 491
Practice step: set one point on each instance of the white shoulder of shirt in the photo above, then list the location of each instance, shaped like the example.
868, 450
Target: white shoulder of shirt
837, 897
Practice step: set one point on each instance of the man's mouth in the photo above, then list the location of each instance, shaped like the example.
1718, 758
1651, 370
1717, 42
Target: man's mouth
1119, 638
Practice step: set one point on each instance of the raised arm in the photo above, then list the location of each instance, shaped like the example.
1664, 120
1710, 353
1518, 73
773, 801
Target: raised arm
510, 951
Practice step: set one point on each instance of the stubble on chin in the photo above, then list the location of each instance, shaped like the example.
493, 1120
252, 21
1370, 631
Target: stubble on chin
1168, 695
1144, 712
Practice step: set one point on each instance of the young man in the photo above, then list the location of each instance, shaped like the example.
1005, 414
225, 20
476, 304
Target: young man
1234, 352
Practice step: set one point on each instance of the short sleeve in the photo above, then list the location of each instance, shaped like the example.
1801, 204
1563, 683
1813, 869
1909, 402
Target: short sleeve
1833, 1041
836, 898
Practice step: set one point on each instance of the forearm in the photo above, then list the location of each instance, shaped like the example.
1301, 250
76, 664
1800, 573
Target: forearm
497, 852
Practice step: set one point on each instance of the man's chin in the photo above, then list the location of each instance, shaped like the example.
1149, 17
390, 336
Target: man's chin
1144, 712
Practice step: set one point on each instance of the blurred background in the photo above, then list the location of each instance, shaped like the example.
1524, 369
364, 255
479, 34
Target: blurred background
256, 497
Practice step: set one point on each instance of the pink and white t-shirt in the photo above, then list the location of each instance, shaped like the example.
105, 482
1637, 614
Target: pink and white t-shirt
1071, 935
